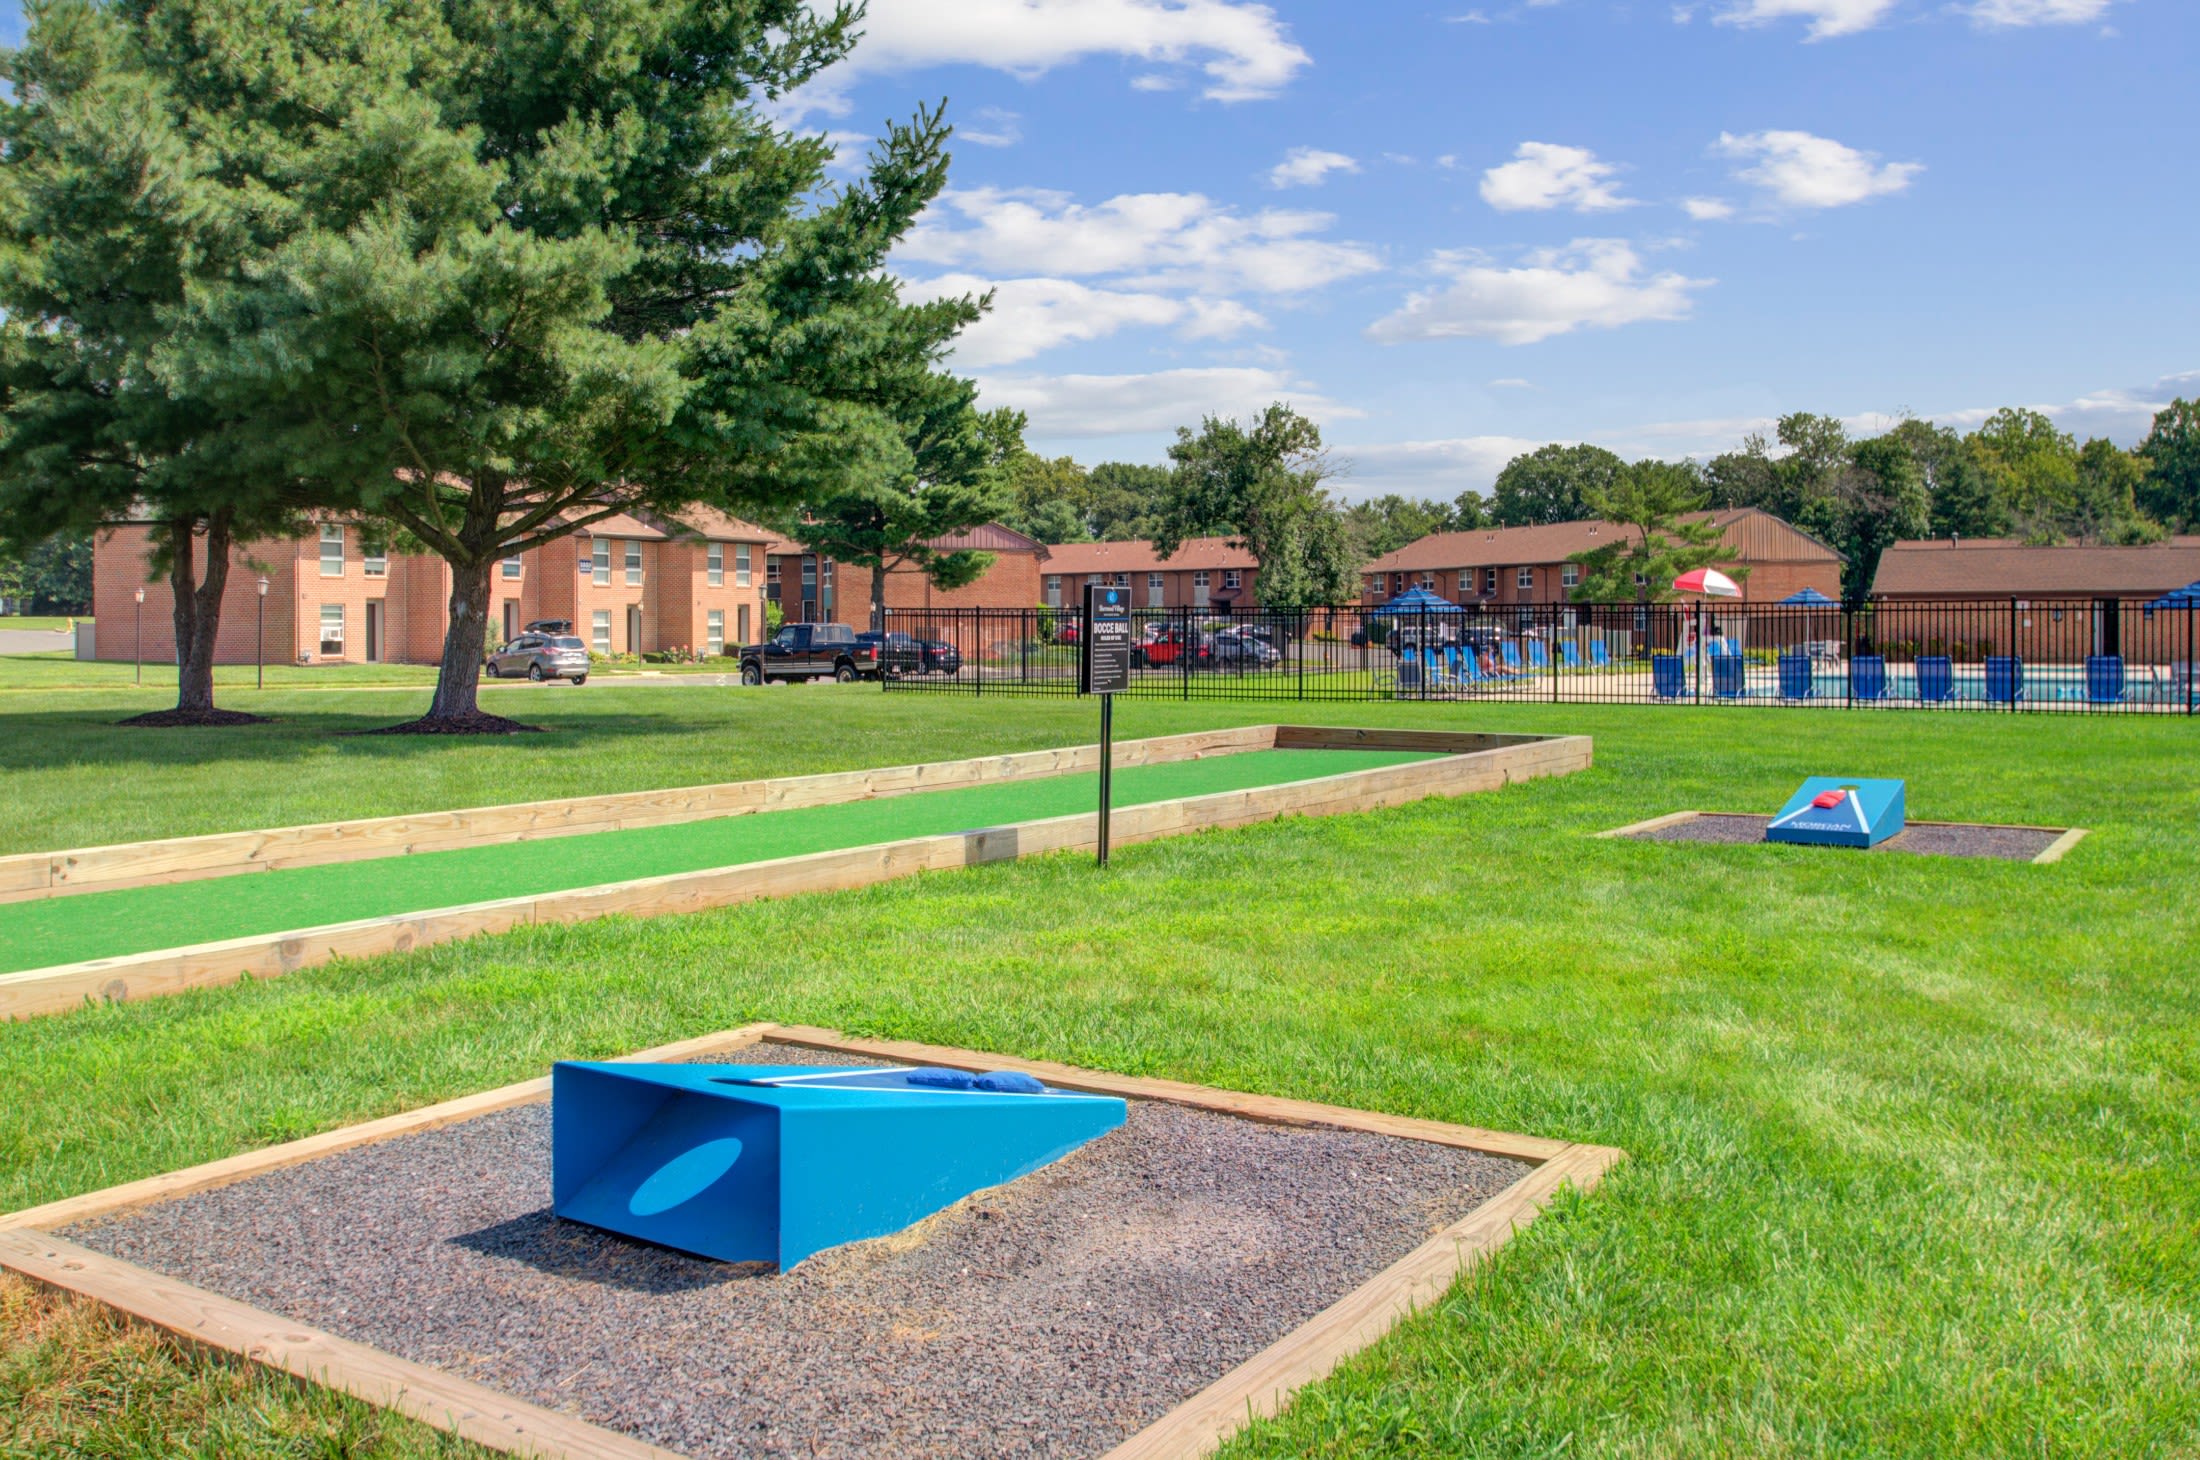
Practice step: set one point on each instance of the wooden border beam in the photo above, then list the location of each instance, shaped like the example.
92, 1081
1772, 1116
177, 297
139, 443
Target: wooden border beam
1257, 1388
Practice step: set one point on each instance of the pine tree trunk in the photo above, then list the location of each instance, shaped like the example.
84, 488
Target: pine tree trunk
458, 676
878, 597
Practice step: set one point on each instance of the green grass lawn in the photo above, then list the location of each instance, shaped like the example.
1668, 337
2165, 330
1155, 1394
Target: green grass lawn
1914, 1166
137, 919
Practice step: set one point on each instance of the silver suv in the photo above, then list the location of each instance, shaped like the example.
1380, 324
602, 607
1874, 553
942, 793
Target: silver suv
541, 657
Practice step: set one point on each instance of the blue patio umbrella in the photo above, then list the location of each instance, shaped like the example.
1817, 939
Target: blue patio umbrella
1415, 601
2185, 597
1811, 597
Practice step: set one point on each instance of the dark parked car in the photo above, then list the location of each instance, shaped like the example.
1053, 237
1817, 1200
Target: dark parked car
908, 654
810, 651
539, 657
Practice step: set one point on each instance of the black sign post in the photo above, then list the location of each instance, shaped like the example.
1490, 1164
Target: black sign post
1104, 669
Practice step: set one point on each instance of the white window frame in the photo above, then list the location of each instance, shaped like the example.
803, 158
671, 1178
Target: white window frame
374, 564
1054, 590
1525, 578
714, 631
714, 565
1233, 577
1199, 580
771, 570
743, 569
599, 562
1489, 580
825, 572
1569, 576
1466, 581
633, 564
1157, 590
332, 532
332, 615
599, 630
511, 569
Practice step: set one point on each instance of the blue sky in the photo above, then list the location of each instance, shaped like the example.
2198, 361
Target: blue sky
1453, 231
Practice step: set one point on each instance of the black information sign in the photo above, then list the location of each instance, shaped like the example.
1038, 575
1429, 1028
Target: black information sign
1104, 669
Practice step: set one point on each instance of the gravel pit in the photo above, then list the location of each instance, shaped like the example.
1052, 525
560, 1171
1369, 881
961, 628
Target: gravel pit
1055, 1316
1940, 839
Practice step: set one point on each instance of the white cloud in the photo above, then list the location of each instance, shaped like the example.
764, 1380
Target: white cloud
1708, 210
2038, 12
1306, 167
1242, 50
1030, 316
1119, 405
1150, 240
1512, 382
995, 128
1827, 17
1591, 283
1803, 171
1546, 175
1442, 468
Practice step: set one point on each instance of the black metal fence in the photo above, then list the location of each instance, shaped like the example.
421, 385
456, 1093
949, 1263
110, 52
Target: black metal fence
2071, 655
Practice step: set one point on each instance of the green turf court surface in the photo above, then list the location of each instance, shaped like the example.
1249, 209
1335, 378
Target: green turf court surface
140, 919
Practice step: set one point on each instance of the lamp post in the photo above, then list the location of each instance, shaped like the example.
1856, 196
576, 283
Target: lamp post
259, 643
140, 650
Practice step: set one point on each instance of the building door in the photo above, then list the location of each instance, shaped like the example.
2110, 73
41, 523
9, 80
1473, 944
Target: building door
741, 625
511, 619
633, 628
374, 631
2108, 625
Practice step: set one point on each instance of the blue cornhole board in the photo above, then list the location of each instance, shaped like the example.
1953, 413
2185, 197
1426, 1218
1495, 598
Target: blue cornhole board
1861, 813
770, 1163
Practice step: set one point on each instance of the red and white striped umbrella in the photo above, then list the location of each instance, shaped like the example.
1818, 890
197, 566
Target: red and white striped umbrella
1710, 582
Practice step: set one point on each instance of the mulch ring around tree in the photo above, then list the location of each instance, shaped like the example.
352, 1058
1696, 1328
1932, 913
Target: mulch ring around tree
475, 723
193, 719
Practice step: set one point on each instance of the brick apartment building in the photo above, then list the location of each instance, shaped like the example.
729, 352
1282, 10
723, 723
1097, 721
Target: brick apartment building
1986, 595
628, 584
811, 587
1506, 566
1204, 572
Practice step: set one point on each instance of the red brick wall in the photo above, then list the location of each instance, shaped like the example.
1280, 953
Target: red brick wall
1179, 589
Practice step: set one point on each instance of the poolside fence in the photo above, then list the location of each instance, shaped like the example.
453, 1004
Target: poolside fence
2083, 656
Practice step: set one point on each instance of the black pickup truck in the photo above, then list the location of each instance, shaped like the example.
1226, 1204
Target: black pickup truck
810, 651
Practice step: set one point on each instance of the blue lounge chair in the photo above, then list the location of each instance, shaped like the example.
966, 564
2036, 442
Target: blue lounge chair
1538, 656
1569, 654
1868, 677
1729, 676
1796, 680
1668, 676
2004, 679
1510, 653
1936, 679
1599, 656
2104, 679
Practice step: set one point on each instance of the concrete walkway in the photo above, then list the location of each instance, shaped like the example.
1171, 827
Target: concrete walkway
34, 641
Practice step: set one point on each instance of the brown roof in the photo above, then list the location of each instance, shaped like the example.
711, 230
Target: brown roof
1755, 535
704, 522
986, 537
2005, 568
1139, 557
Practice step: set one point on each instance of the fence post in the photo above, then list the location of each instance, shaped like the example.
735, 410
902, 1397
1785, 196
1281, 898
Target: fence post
1298, 643
2186, 689
2013, 656
1848, 655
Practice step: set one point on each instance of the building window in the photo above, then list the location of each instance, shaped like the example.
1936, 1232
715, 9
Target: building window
714, 566
1156, 595
1233, 578
374, 559
332, 630
771, 571
633, 565
1428, 582
741, 578
1092, 580
511, 570
1397, 582
1489, 580
1640, 580
825, 571
1525, 578
599, 563
809, 577
1054, 590
332, 550
1570, 576
1122, 580
599, 630
715, 631
1466, 581
1199, 584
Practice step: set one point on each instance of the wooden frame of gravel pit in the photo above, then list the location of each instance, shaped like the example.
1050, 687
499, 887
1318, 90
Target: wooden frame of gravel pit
1460, 763
2058, 840
1256, 1388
